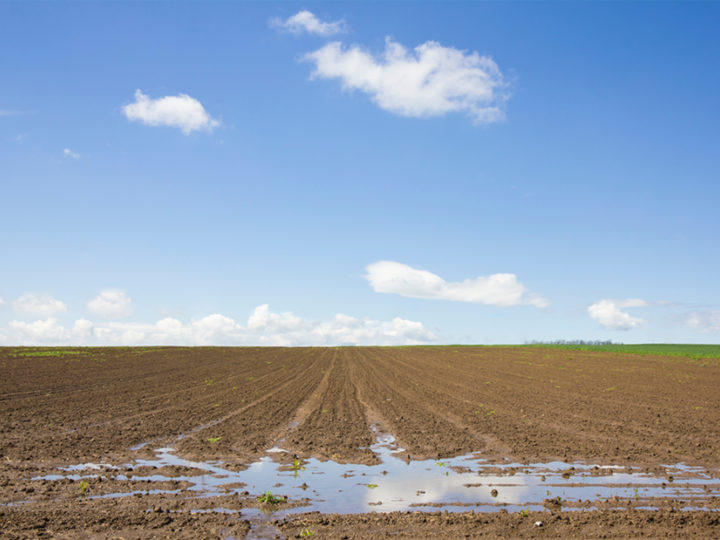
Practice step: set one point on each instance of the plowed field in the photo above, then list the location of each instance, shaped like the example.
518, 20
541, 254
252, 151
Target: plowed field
68, 406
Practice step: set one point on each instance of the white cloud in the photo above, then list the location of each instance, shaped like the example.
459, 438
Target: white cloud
433, 81
20, 138
607, 313
495, 290
70, 153
111, 305
704, 321
263, 328
40, 332
40, 305
179, 111
2, 301
305, 21
6, 113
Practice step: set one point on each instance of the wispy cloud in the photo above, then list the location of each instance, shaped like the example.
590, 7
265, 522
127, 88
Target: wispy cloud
704, 321
111, 305
40, 305
306, 22
495, 290
431, 81
20, 138
263, 328
69, 153
13, 113
179, 111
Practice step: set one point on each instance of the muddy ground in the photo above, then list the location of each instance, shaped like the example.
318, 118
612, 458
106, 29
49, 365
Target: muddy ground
60, 407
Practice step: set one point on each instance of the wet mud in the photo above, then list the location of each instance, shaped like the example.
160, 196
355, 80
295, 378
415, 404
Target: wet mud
451, 441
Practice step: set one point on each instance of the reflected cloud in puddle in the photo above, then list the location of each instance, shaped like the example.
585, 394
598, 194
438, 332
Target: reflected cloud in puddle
452, 484
458, 484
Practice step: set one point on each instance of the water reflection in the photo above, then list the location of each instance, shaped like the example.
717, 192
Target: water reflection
453, 484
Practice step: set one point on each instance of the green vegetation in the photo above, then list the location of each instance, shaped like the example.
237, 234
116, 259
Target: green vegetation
672, 349
213, 440
371, 486
668, 349
49, 352
306, 531
269, 498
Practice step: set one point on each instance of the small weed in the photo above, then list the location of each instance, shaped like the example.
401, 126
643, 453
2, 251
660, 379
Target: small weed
371, 486
213, 440
269, 498
441, 464
209, 382
296, 467
524, 513
491, 412
611, 389
83, 486
306, 531
698, 408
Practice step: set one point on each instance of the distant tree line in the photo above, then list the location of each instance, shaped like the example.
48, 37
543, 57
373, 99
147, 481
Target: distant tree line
572, 342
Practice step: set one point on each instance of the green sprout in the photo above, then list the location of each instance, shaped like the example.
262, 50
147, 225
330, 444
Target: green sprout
306, 531
213, 440
371, 486
269, 498
296, 467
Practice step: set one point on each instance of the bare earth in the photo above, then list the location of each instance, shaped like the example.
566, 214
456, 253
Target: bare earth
233, 404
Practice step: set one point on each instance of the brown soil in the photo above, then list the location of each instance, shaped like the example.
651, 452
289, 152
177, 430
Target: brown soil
533, 405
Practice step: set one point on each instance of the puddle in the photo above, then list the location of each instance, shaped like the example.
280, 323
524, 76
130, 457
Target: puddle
458, 484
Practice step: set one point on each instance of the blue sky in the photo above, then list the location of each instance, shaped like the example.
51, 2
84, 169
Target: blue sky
359, 173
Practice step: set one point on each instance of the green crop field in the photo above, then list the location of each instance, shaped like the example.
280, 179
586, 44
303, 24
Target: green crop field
690, 351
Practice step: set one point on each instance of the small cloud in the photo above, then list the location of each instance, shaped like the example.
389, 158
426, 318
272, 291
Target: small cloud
305, 21
111, 305
179, 111
6, 113
20, 138
704, 321
2, 301
69, 153
431, 81
40, 305
607, 313
495, 290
